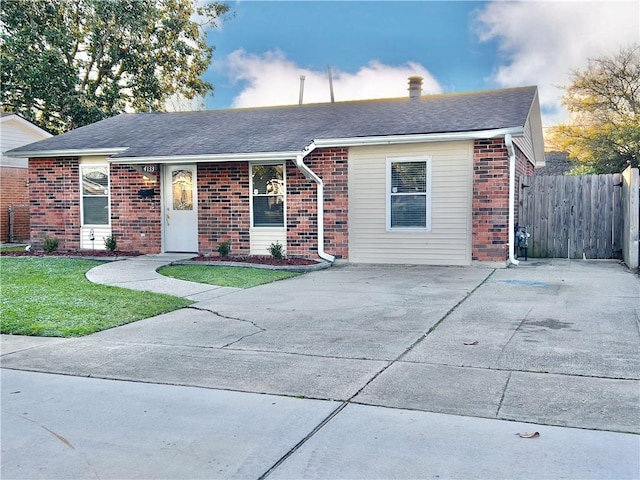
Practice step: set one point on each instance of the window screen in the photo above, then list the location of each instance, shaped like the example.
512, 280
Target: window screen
95, 195
268, 190
408, 194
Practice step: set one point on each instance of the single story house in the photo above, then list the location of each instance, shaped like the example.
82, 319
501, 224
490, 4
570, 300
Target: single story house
416, 180
15, 131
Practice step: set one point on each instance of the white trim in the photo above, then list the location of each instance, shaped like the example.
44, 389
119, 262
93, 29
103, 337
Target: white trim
427, 159
284, 195
218, 157
67, 153
417, 138
82, 195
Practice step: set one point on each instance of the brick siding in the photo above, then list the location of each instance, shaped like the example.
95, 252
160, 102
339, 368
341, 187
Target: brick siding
15, 192
136, 222
491, 198
330, 164
223, 207
54, 197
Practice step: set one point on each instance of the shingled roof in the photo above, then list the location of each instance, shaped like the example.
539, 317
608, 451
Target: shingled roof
292, 128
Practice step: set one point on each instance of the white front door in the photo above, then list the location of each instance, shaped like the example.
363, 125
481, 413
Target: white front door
180, 208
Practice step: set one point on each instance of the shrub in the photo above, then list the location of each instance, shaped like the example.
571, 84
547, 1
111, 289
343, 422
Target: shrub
224, 248
110, 243
50, 244
276, 250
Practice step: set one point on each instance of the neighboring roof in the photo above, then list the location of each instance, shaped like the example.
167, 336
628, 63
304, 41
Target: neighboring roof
556, 163
292, 128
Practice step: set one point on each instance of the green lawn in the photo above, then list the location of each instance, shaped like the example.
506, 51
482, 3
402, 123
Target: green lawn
238, 277
51, 297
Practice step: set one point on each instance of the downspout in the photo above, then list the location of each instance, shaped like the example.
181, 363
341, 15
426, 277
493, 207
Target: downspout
512, 197
309, 174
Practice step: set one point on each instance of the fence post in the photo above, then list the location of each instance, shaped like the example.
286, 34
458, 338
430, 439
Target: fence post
631, 210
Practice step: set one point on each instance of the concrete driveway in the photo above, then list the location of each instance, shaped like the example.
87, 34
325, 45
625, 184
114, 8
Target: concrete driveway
552, 343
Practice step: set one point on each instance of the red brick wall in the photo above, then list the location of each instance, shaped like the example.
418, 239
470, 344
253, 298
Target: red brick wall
136, 222
14, 191
490, 200
330, 164
223, 207
54, 193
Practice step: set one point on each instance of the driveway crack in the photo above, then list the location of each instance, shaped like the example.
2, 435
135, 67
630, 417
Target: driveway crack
227, 317
524, 319
504, 392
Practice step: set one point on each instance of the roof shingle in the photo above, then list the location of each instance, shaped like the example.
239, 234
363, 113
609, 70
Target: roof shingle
291, 128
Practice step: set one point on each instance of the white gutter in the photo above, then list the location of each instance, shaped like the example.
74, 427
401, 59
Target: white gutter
67, 153
217, 157
418, 138
310, 175
512, 190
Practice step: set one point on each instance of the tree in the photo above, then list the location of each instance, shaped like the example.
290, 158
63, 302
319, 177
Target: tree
604, 100
65, 64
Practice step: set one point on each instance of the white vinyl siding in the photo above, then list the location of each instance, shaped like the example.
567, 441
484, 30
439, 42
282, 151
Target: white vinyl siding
525, 143
448, 242
261, 239
17, 132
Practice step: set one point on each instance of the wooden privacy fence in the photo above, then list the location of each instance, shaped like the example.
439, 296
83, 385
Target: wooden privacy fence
573, 216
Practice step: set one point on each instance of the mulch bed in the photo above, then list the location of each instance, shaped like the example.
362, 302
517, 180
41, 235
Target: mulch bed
256, 259
71, 253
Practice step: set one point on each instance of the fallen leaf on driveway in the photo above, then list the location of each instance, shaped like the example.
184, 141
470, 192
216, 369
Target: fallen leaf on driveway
528, 435
472, 343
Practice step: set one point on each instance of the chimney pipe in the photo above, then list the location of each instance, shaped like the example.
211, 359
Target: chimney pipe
301, 90
415, 87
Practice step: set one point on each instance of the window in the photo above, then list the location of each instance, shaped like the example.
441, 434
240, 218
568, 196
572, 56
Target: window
409, 197
95, 194
268, 195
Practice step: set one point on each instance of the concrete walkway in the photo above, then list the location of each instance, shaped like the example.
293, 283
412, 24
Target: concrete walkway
362, 372
139, 273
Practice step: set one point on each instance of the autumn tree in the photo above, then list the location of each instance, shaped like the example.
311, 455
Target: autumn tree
604, 102
65, 64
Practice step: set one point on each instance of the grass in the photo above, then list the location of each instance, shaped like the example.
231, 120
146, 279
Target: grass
12, 249
51, 297
239, 277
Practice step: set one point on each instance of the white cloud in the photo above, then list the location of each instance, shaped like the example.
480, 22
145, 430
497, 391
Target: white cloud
272, 79
541, 42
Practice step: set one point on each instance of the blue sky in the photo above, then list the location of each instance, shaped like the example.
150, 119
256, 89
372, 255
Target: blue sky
373, 46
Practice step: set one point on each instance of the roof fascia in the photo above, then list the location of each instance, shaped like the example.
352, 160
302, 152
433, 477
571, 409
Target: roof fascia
87, 152
420, 138
222, 157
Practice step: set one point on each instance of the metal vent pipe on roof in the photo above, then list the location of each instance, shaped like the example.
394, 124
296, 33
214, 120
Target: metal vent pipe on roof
301, 90
415, 87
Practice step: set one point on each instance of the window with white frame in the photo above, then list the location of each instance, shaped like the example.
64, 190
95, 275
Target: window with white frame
95, 194
267, 195
409, 193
